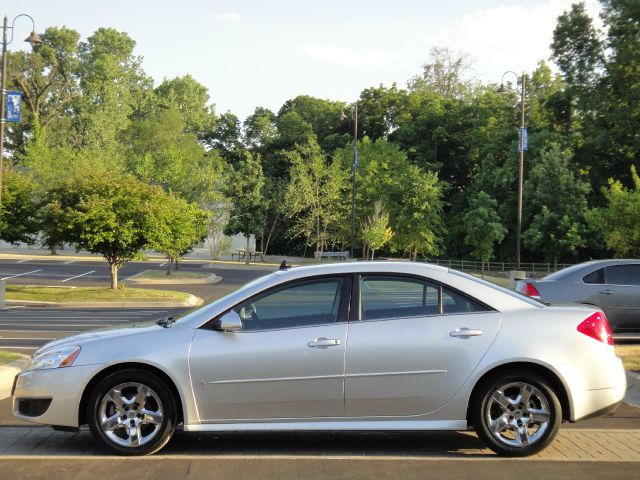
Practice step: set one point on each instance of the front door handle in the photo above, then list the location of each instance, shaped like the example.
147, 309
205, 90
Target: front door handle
465, 332
606, 292
323, 342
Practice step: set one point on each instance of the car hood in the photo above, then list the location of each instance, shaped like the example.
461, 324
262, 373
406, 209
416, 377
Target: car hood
101, 334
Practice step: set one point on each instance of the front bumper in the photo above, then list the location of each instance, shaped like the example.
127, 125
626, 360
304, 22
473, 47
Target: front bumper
63, 387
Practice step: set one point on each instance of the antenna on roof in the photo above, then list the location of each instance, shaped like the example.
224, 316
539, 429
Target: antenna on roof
284, 266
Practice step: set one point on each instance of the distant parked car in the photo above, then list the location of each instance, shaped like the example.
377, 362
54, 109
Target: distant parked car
612, 285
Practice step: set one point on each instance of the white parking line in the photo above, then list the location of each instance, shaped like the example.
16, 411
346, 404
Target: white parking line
70, 261
162, 265
25, 260
21, 274
78, 276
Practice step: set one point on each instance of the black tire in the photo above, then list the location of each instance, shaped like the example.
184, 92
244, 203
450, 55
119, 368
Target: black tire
523, 423
151, 422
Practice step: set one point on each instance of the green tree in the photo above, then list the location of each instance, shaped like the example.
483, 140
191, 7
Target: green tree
116, 219
418, 226
161, 153
113, 87
618, 222
191, 99
483, 227
445, 74
375, 230
180, 225
19, 209
314, 195
556, 200
47, 78
245, 191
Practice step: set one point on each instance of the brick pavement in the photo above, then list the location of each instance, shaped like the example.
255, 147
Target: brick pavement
570, 445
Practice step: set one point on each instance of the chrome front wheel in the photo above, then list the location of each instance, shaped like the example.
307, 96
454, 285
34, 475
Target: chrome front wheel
132, 412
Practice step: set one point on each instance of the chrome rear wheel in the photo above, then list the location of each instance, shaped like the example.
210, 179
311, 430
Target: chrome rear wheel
516, 413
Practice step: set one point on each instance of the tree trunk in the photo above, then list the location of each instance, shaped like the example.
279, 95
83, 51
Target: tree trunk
114, 275
246, 252
373, 252
169, 267
318, 243
273, 226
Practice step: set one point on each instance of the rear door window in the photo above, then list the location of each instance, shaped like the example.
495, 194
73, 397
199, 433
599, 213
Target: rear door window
397, 297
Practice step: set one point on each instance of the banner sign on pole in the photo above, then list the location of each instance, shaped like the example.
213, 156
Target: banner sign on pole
13, 106
523, 141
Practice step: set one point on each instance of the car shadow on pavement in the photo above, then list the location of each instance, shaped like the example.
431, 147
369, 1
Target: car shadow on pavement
38, 441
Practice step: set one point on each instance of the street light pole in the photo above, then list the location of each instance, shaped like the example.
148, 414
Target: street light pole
353, 179
34, 40
521, 147
3, 97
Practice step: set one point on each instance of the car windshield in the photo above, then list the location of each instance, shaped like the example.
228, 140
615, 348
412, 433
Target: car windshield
513, 293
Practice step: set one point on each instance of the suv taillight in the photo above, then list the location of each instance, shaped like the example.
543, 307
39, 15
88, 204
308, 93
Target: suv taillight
596, 326
529, 290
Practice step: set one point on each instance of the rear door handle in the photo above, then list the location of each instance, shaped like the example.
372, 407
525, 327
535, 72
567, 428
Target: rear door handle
465, 332
606, 292
323, 342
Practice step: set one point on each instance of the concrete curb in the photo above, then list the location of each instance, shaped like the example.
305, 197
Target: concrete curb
7, 374
191, 301
135, 279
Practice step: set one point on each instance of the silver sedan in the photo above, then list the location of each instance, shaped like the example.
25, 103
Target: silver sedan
352, 346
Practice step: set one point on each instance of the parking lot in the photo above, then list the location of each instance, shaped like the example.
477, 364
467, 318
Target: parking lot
611, 444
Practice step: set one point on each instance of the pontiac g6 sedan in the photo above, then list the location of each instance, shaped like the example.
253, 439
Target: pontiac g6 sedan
352, 346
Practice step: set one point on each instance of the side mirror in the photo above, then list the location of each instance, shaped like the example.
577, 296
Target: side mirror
230, 322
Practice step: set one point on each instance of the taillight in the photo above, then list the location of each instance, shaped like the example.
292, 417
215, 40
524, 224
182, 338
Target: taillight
529, 290
596, 326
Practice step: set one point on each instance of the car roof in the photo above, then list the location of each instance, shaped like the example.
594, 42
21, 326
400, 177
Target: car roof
355, 267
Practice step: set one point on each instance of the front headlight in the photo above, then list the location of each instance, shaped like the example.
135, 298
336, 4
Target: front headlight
54, 358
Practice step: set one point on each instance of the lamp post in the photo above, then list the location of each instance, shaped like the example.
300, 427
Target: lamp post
353, 174
34, 40
522, 145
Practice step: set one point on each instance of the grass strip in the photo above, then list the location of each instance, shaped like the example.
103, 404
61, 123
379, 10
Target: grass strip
91, 294
630, 355
8, 357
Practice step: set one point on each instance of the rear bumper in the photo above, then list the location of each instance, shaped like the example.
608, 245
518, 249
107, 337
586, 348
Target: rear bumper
596, 383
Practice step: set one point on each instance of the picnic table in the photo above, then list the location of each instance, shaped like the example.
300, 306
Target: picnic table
242, 255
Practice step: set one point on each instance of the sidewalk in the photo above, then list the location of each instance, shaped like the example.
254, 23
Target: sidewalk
569, 445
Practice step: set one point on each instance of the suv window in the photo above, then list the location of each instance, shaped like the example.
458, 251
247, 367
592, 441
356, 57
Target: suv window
622, 275
595, 277
312, 302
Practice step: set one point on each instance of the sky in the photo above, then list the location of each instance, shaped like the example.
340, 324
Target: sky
252, 53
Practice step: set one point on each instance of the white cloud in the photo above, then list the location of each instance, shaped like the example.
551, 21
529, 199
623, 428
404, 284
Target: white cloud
349, 57
506, 37
229, 17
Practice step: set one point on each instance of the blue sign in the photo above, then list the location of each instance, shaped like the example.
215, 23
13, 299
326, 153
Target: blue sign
523, 141
355, 158
13, 106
